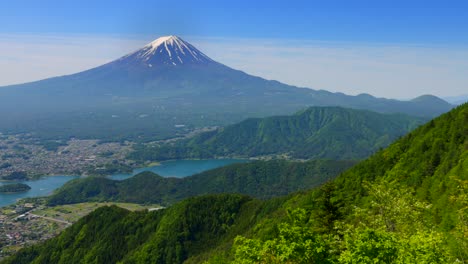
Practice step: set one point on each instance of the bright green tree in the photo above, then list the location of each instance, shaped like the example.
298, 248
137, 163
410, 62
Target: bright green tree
388, 227
391, 228
296, 243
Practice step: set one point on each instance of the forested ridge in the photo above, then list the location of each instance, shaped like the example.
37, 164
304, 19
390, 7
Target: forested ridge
14, 187
261, 179
407, 203
314, 133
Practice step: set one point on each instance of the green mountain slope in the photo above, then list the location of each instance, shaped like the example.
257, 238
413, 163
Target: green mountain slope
405, 204
431, 160
112, 234
315, 133
261, 179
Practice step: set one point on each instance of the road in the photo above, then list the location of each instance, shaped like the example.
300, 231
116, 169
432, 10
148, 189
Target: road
50, 219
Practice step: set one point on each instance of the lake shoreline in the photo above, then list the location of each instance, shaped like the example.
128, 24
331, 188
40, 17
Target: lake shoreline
133, 168
45, 185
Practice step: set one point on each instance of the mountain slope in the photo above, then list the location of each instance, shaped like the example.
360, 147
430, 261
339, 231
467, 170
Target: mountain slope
431, 159
167, 51
261, 179
315, 133
406, 204
166, 236
414, 211
166, 83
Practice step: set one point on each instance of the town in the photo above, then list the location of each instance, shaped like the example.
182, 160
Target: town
23, 158
19, 227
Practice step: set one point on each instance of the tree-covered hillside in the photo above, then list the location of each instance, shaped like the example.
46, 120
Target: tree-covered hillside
315, 133
261, 179
405, 204
112, 234
14, 187
432, 160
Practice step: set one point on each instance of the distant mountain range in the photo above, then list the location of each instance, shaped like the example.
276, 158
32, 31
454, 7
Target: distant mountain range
457, 100
148, 93
314, 133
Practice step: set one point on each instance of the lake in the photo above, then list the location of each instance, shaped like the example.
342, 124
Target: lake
181, 168
176, 168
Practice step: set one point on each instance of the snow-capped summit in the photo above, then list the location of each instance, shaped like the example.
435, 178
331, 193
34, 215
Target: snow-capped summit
168, 51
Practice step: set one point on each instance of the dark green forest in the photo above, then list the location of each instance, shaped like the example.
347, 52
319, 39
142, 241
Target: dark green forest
14, 187
407, 203
315, 133
261, 179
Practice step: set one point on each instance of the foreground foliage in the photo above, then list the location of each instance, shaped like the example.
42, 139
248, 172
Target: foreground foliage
391, 229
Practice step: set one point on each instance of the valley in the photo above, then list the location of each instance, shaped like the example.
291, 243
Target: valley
410, 196
266, 140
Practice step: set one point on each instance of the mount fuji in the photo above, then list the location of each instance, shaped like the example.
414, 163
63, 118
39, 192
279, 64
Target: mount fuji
168, 83
170, 50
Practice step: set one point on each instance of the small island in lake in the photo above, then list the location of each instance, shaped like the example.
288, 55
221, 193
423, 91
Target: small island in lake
14, 188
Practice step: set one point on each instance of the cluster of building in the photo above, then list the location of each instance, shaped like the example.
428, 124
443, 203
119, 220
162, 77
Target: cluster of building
16, 155
18, 228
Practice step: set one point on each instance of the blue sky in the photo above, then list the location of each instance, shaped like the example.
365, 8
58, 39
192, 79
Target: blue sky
364, 21
345, 36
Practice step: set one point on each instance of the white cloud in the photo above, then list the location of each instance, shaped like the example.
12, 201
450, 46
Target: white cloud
395, 71
29, 58
352, 68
